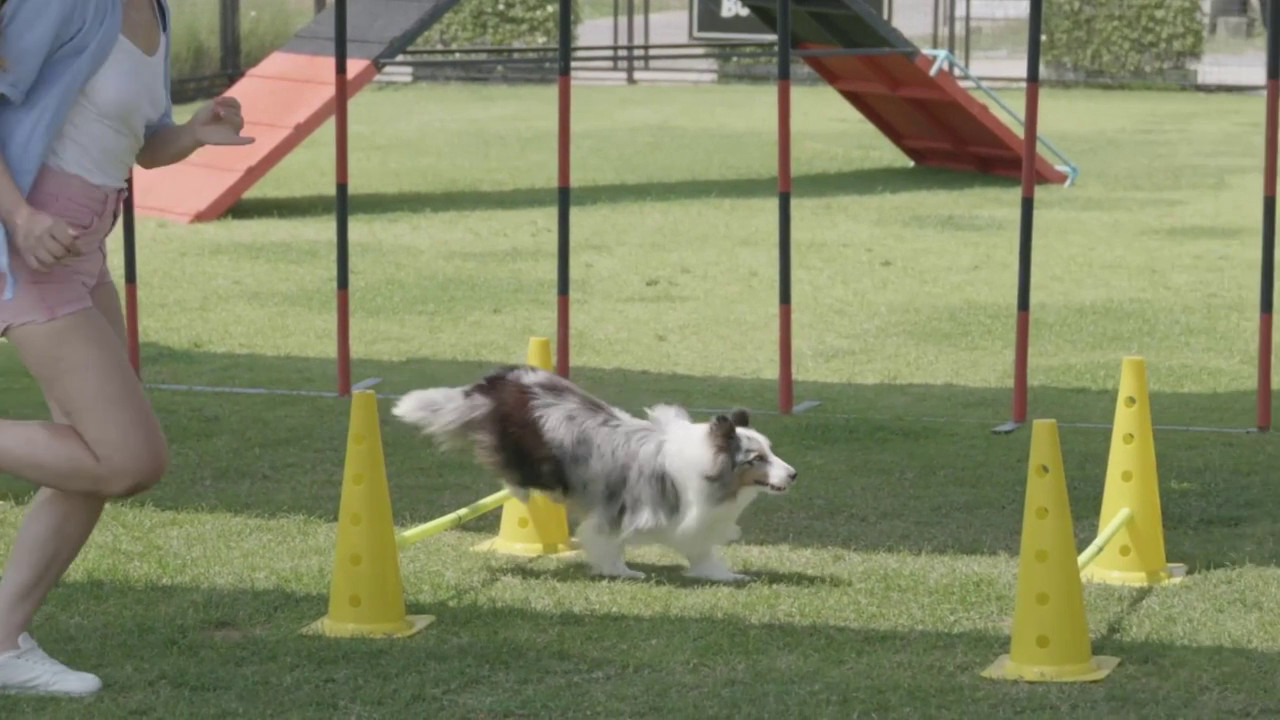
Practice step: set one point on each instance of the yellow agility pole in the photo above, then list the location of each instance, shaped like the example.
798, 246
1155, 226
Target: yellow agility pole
541, 526
1137, 557
1050, 640
453, 519
366, 596
1108, 533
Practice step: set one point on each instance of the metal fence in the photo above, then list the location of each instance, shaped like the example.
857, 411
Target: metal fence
652, 41
217, 40
636, 41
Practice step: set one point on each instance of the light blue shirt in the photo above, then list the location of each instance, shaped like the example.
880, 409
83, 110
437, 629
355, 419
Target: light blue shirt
49, 50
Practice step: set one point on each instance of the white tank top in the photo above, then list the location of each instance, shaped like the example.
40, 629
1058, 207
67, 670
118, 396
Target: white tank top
106, 124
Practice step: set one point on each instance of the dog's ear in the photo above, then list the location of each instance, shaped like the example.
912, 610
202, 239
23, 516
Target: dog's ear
722, 428
740, 417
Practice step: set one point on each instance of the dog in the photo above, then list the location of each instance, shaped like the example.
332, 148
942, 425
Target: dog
664, 479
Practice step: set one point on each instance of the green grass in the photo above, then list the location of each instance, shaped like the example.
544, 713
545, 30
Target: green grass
885, 581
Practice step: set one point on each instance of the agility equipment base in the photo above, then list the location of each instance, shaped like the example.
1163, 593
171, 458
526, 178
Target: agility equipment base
366, 597
1050, 640
366, 594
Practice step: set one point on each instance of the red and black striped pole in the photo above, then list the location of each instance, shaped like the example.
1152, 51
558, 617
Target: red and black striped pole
1029, 155
786, 394
562, 244
131, 279
1268, 221
340, 148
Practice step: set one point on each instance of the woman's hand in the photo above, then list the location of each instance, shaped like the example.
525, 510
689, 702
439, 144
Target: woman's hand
216, 123
41, 240
219, 123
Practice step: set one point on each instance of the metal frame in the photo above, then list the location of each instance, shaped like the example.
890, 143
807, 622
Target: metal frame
945, 56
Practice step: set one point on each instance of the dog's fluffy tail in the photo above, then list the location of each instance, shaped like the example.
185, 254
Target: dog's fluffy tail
445, 413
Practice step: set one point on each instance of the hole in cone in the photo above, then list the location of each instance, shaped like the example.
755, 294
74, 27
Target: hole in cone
1042, 599
1130, 401
354, 600
1042, 471
1127, 438
357, 479
1042, 556
1042, 512
1042, 641
523, 523
356, 559
1125, 551
1127, 476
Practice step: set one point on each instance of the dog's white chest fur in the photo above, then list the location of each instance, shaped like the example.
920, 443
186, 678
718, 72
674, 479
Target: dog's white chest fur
706, 519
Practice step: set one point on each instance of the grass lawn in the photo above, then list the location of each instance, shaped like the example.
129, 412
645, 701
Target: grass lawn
884, 582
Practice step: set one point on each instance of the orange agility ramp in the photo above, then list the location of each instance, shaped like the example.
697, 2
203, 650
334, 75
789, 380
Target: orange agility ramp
905, 92
284, 98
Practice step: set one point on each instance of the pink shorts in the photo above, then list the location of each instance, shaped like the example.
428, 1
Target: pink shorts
89, 209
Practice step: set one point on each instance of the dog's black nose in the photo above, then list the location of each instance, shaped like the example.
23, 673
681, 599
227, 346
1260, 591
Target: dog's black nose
792, 475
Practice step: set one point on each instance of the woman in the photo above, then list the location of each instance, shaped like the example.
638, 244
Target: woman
85, 86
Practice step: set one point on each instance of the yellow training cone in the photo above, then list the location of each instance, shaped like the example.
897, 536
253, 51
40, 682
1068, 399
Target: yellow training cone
539, 353
366, 598
1050, 632
540, 527
1136, 555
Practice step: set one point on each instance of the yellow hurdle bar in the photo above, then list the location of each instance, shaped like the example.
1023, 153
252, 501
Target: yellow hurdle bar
453, 519
1104, 537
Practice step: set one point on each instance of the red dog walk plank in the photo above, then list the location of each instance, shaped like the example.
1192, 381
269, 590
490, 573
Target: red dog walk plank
927, 114
930, 117
284, 98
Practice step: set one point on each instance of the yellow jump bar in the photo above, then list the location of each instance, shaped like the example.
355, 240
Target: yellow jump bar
453, 519
1090, 553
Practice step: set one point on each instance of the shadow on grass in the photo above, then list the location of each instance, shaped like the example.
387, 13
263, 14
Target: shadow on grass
673, 573
875, 181
875, 476
238, 653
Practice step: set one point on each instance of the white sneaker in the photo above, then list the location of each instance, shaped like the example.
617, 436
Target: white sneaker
30, 670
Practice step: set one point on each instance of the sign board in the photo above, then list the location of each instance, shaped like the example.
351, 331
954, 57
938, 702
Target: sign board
731, 20
725, 20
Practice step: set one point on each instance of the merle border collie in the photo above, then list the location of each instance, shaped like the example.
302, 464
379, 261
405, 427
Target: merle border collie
664, 479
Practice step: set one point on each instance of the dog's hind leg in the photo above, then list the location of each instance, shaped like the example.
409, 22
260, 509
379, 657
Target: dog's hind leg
604, 550
706, 564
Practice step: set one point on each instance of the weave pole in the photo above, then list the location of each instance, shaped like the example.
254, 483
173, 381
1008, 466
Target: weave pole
562, 220
1268, 222
131, 280
1030, 131
340, 192
786, 395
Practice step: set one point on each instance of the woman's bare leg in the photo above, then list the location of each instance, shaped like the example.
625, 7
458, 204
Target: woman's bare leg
56, 525
112, 444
